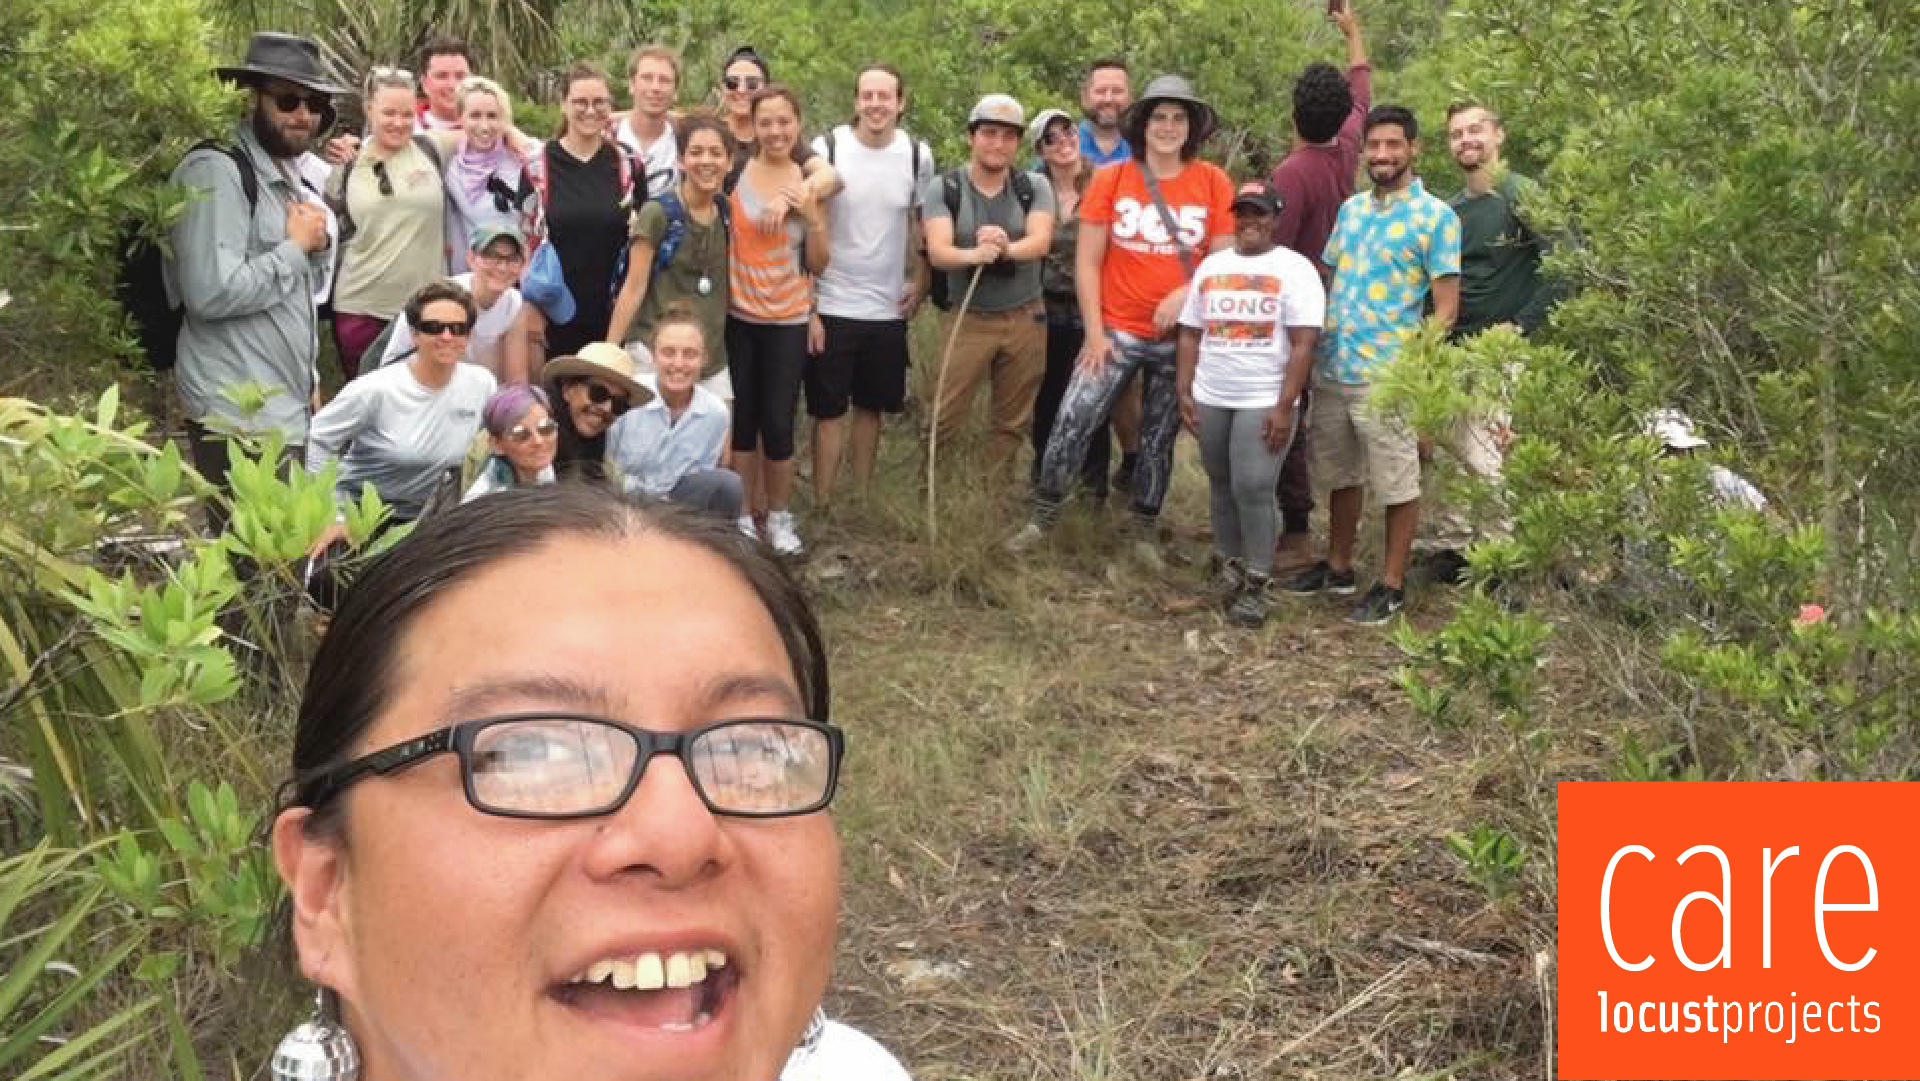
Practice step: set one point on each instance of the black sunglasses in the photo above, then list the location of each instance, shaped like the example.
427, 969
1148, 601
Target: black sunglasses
380, 174
502, 195
433, 328
598, 394
743, 82
315, 101
572, 765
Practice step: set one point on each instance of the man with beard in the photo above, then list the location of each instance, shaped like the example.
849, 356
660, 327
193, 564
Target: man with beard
857, 340
248, 254
1311, 182
1391, 249
1104, 96
1500, 282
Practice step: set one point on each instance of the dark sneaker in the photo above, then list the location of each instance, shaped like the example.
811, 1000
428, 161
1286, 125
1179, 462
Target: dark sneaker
1321, 578
1379, 605
1249, 607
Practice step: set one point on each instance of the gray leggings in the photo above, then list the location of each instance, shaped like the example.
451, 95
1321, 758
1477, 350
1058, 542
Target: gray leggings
1241, 472
1085, 407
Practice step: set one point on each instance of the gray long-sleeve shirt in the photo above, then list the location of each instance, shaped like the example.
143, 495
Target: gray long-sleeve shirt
248, 292
389, 430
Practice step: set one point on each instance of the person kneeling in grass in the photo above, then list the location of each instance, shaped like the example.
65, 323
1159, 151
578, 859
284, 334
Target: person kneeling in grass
1247, 334
672, 447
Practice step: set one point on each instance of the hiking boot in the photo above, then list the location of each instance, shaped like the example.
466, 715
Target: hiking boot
1026, 540
1249, 607
1225, 577
747, 529
1321, 578
1379, 605
782, 534
1292, 552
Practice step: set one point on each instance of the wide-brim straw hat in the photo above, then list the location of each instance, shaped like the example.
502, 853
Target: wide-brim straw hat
1201, 119
604, 361
282, 56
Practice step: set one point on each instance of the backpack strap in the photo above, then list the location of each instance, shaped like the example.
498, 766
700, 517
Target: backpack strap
249, 180
1023, 190
676, 213
432, 151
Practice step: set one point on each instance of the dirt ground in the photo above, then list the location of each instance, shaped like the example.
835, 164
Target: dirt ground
1095, 832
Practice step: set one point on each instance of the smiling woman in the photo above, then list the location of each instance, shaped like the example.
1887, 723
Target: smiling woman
549, 856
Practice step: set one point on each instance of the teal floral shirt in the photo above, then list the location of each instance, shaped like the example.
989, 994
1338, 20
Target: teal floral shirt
1385, 255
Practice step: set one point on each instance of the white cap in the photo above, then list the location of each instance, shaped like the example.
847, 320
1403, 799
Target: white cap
998, 109
1674, 429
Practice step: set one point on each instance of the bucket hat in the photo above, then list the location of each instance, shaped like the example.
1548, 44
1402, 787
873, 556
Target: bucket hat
282, 56
604, 361
1201, 116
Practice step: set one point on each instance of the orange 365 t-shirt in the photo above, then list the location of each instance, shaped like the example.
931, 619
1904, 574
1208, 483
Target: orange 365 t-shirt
1143, 264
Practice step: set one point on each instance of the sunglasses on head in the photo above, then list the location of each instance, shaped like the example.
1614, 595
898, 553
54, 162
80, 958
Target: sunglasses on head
433, 328
743, 82
315, 101
599, 394
521, 433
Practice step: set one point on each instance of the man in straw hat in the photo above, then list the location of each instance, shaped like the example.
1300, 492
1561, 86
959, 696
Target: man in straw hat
248, 255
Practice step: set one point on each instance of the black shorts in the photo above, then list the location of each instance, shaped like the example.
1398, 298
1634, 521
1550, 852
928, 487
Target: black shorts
865, 362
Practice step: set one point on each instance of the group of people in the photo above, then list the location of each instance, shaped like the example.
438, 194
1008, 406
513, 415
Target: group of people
646, 298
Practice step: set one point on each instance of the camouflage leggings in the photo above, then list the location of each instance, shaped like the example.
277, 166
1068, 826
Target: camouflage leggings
1088, 401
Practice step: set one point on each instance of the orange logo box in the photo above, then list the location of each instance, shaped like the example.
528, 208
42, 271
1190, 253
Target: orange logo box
1739, 931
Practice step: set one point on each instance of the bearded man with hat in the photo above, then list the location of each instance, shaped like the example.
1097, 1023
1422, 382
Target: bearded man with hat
250, 252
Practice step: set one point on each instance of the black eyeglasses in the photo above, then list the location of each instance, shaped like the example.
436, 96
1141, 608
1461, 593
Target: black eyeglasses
743, 82
315, 101
433, 328
598, 394
570, 765
520, 433
380, 174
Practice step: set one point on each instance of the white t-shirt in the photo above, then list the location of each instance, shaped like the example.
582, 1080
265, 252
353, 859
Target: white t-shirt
483, 344
867, 223
388, 430
1243, 305
662, 156
844, 1053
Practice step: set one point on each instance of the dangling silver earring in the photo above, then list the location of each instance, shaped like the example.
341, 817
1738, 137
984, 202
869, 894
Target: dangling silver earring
319, 1049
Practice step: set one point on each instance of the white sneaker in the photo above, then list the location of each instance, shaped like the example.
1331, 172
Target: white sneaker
1027, 539
745, 525
782, 535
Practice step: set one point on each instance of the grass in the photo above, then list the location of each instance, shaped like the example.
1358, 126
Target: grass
1093, 831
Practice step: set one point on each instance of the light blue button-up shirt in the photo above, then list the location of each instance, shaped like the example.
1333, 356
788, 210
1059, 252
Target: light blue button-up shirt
653, 449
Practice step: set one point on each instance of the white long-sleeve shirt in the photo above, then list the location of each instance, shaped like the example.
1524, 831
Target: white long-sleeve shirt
389, 430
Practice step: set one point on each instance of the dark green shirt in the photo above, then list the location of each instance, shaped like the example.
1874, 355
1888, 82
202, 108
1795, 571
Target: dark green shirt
1500, 279
702, 256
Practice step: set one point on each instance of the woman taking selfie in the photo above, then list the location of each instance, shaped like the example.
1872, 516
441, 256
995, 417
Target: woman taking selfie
553, 856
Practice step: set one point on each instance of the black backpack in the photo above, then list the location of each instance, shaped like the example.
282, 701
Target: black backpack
939, 292
140, 280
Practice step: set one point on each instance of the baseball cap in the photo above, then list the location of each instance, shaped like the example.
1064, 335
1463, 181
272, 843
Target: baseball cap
486, 234
997, 109
1038, 129
1258, 193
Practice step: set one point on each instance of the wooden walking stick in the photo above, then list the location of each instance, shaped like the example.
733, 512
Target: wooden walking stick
939, 391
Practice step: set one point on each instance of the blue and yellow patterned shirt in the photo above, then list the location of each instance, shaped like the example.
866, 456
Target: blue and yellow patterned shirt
1385, 254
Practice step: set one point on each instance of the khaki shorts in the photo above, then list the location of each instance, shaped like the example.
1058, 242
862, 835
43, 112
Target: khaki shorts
1353, 448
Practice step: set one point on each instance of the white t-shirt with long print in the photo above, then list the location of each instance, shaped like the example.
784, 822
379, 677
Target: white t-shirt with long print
1243, 305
